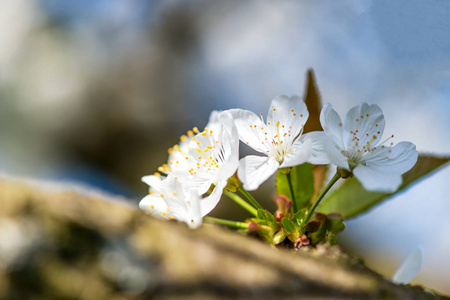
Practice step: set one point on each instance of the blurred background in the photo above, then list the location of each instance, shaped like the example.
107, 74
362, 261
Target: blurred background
95, 92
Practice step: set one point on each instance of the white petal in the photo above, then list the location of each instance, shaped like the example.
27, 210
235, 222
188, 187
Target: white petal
332, 125
310, 148
154, 205
254, 170
410, 267
368, 121
251, 129
230, 147
199, 182
398, 159
194, 216
286, 118
373, 179
335, 155
213, 122
173, 195
152, 180
207, 204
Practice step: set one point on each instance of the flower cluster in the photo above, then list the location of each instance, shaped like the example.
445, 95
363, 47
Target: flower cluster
206, 164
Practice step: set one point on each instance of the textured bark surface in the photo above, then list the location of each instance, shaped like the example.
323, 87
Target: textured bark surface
68, 245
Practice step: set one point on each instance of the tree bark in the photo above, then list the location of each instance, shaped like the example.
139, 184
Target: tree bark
61, 244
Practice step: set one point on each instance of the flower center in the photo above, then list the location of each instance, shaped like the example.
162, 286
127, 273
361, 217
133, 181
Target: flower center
279, 152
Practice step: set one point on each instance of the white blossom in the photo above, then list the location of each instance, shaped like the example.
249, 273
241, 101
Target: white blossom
280, 140
354, 146
170, 201
204, 161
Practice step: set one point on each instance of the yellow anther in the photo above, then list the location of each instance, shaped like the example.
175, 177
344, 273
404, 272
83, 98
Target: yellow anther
170, 150
164, 213
183, 138
301, 116
260, 114
174, 193
203, 133
292, 110
151, 192
195, 129
161, 169
274, 109
162, 195
367, 115
190, 133
157, 174
171, 218
152, 206
187, 157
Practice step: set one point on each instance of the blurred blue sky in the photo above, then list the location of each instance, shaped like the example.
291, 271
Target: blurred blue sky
243, 54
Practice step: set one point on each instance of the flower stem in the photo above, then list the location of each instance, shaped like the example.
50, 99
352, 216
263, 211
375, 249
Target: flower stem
333, 180
250, 198
234, 224
241, 202
291, 189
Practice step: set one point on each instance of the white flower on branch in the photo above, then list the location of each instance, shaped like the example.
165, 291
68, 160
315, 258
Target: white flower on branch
354, 146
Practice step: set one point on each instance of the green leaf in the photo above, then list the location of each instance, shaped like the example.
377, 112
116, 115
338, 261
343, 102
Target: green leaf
288, 225
263, 214
351, 199
299, 216
279, 237
302, 184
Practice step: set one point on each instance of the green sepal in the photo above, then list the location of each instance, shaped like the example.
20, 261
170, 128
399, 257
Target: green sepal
332, 223
233, 183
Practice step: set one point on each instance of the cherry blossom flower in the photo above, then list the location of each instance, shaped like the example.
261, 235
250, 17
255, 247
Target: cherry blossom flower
204, 160
170, 201
280, 140
352, 146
